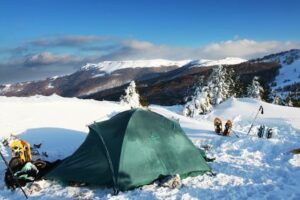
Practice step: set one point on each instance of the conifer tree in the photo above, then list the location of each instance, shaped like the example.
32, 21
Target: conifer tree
131, 97
288, 100
221, 85
199, 104
255, 90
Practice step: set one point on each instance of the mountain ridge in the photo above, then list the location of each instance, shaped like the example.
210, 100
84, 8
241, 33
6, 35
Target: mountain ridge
99, 81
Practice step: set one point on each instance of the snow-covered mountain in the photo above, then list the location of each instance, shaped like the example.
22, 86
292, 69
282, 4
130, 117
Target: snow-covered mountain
288, 77
225, 61
162, 81
93, 78
247, 167
285, 57
110, 66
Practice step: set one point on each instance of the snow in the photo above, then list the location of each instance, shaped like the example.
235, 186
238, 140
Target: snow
98, 75
52, 111
288, 74
225, 61
5, 88
50, 86
295, 161
55, 77
247, 167
131, 97
110, 66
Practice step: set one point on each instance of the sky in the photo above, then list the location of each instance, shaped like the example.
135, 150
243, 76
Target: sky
44, 38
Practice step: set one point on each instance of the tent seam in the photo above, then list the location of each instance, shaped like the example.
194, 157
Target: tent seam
109, 160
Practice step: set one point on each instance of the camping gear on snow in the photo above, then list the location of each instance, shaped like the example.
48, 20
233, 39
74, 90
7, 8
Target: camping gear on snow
269, 133
261, 131
218, 125
204, 155
28, 172
21, 169
171, 181
10, 170
132, 149
18, 173
37, 146
219, 128
260, 110
228, 127
20, 149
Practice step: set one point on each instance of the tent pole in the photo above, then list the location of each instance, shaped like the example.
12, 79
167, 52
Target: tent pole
115, 188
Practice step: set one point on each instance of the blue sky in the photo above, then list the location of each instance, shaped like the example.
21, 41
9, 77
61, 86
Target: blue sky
49, 37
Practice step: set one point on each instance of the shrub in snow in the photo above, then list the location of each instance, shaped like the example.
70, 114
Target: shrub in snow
199, 104
255, 90
131, 96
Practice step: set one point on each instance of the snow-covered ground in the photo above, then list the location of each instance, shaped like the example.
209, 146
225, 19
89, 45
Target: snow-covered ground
247, 167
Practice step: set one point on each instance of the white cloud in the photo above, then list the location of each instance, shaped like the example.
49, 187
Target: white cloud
46, 58
244, 48
33, 57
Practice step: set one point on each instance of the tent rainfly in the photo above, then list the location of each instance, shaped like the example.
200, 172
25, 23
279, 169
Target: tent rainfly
131, 149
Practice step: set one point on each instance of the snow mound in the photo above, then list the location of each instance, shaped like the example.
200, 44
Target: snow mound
21, 113
246, 108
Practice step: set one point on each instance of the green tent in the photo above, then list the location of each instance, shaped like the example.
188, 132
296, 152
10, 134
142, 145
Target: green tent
131, 149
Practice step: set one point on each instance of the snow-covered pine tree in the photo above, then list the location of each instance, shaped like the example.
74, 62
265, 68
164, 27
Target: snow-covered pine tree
276, 99
221, 85
288, 100
199, 104
255, 90
231, 79
131, 96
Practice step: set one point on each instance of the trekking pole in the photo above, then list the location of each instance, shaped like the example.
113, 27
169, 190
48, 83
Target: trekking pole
236, 135
260, 110
10, 170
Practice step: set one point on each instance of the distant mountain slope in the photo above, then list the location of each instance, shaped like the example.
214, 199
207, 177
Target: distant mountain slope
288, 78
110, 66
172, 87
161, 81
93, 78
